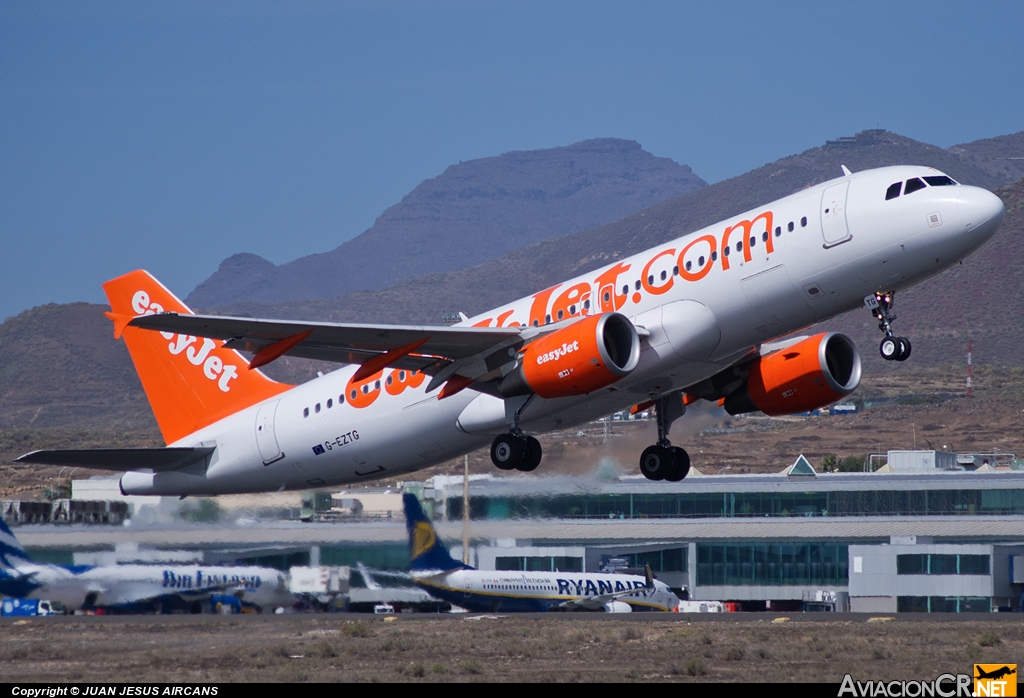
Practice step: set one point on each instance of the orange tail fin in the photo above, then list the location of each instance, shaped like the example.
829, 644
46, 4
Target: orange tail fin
190, 382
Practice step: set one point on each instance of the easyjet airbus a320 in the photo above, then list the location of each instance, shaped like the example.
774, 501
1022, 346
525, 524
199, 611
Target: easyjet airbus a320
681, 322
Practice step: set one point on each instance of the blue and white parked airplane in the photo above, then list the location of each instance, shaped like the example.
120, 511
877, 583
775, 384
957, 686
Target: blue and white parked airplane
134, 587
445, 578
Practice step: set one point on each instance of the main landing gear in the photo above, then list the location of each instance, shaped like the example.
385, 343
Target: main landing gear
663, 461
892, 348
516, 451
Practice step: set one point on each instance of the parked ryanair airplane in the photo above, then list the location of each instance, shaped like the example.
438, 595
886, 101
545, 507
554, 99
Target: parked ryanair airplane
445, 578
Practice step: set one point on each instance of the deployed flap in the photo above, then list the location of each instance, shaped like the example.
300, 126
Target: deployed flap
121, 459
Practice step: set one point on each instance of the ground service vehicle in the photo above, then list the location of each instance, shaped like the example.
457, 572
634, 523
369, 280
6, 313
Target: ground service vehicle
30, 607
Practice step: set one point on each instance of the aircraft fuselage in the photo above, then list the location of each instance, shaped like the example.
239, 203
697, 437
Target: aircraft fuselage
703, 301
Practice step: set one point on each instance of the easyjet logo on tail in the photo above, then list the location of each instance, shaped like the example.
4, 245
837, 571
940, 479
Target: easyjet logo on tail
213, 367
190, 382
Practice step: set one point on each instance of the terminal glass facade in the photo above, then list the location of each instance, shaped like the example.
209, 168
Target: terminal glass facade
671, 560
544, 563
942, 564
772, 564
696, 505
943, 604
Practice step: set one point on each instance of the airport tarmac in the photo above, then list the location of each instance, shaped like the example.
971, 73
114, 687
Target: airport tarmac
474, 647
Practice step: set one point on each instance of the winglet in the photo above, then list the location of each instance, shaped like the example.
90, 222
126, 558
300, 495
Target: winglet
650, 576
120, 322
846, 170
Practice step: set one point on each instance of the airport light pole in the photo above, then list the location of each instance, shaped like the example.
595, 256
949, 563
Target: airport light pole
465, 510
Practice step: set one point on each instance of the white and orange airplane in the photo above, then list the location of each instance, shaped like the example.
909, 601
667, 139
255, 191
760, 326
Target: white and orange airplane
687, 320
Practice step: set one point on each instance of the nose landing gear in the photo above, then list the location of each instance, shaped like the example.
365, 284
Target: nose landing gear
663, 461
892, 348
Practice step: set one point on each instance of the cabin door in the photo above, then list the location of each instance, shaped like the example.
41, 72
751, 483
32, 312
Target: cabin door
833, 215
266, 437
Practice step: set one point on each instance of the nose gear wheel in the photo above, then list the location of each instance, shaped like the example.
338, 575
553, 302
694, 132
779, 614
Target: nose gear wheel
892, 348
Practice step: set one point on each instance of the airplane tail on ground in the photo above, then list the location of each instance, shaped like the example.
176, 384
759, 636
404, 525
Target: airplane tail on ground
426, 551
10, 548
14, 583
190, 382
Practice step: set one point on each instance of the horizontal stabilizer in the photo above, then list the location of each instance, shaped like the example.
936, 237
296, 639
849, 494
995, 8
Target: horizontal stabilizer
121, 459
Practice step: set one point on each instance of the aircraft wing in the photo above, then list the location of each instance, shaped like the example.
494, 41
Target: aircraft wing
121, 459
420, 348
596, 603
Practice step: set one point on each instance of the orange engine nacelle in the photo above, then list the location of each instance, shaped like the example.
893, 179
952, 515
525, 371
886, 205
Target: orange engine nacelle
808, 375
585, 356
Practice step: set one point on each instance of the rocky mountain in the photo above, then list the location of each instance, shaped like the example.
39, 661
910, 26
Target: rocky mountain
938, 334
472, 212
61, 366
1001, 157
424, 299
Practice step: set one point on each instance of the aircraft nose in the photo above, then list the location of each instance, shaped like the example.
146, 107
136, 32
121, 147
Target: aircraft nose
980, 206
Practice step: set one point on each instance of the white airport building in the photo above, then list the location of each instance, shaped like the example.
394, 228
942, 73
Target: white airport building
919, 538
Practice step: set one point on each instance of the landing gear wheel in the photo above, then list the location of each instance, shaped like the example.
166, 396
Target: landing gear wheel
889, 348
680, 465
892, 348
531, 456
904, 349
656, 462
507, 451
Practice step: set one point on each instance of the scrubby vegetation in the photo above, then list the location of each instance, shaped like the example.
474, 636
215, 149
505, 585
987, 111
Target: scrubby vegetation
494, 649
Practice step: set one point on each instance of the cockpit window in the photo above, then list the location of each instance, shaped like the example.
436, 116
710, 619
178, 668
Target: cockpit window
940, 181
893, 191
913, 185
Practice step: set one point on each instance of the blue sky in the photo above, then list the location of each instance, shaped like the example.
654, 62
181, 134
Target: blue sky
169, 135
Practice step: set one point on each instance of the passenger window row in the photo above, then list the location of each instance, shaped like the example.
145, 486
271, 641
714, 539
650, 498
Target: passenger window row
752, 242
341, 400
663, 275
573, 310
915, 184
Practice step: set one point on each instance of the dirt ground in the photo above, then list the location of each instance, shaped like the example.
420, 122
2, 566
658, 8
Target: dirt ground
447, 648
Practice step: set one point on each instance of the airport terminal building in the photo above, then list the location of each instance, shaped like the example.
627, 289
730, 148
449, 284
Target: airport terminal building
933, 541
924, 540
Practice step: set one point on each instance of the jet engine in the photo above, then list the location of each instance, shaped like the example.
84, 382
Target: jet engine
617, 607
581, 358
805, 376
